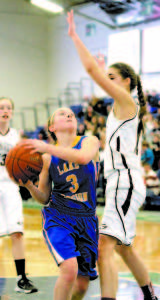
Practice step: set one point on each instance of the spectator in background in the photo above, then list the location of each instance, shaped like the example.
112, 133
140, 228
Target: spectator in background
147, 154
156, 126
94, 120
148, 126
152, 99
101, 125
157, 114
99, 106
42, 135
94, 125
156, 151
81, 129
156, 141
101, 122
89, 113
89, 128
109, 107
151, 180
155, 130
86, 101
88, 119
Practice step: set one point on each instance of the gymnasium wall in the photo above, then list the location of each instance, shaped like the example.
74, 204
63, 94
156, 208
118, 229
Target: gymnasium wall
65, 65
38, 59
23, 58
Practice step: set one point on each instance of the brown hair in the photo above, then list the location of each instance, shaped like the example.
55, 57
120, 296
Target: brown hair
145, 144
49, 123
6, 98
126, 71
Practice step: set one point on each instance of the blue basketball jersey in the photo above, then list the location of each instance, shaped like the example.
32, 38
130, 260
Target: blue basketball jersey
74, 185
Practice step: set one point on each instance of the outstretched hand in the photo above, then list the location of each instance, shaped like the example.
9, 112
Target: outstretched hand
100, 59
26, 184
72, 26
35, 145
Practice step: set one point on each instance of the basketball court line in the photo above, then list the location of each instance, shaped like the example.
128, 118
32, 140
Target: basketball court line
128, 289
155, 276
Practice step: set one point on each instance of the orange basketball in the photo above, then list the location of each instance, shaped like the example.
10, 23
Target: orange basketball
21, 164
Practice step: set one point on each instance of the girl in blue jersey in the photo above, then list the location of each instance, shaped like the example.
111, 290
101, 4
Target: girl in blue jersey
69, 175
125, 191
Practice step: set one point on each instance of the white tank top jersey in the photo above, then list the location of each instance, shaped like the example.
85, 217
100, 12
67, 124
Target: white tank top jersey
123, 144
7, 141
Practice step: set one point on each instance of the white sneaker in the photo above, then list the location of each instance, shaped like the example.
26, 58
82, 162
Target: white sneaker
24, 285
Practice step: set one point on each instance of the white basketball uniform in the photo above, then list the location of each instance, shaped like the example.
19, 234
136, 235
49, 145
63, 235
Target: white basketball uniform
11, 214
125, 190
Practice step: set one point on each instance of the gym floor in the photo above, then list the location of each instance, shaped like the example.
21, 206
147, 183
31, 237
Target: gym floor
42, 269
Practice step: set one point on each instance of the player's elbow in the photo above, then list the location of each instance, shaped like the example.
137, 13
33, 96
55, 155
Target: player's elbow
43, 200
83, 159
90, 67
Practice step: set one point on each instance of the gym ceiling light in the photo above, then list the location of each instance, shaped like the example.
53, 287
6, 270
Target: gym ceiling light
47, 5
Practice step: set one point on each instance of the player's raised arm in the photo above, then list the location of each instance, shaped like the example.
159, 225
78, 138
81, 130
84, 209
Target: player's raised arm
118, 93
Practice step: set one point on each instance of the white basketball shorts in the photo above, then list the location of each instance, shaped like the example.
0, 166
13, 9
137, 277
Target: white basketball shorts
125, 193
11, 213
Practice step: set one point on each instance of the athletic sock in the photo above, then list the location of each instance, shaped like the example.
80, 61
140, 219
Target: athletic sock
20, 267
148, 292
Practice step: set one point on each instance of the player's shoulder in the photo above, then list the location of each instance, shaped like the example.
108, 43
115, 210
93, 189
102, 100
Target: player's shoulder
87, 140
14, 134
91, 139
13, 131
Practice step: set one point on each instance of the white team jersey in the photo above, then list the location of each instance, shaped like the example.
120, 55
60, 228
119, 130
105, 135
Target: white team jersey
123, 144
7, 142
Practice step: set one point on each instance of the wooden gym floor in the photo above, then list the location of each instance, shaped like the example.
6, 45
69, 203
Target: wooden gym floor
42, 269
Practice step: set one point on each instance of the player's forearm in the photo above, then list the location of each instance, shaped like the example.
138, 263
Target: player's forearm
79, 156
69, 154
37, 194
87, 59
119, 94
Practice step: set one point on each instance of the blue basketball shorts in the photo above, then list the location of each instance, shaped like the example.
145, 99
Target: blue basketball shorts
69, 236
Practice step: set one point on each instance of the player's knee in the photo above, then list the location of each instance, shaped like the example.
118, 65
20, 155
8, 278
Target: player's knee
71, 276
69, 270
16, 236
106, 246
123, 250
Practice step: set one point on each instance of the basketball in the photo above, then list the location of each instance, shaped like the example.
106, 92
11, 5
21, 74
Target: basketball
21, 164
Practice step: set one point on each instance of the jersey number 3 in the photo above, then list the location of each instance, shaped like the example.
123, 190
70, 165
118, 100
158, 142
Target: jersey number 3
73, 179
2, 159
